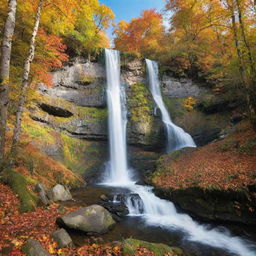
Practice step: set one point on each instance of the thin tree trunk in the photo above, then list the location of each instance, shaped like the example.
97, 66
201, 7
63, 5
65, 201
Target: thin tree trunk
247, 45
25, 79
5, 72
237, 46
250, 85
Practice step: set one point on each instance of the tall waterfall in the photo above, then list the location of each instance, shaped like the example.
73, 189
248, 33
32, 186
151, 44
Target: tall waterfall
176, 137
149, 207
117, 169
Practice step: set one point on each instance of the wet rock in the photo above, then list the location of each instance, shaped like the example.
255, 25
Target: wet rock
62, 238
34, 248
104, 198
213, 205
116, 204
91, 219
59, 193
119, 209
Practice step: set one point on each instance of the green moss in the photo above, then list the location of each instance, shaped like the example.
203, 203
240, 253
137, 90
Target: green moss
131, 245
85, 79
100, 114
72, 150
19, 184
37, 131
81, 156
140, 103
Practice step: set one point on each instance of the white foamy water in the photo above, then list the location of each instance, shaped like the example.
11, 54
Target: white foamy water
117, 169
177, 138
142, 201
159, 212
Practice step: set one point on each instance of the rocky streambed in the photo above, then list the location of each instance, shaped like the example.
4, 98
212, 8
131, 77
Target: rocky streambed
134, 227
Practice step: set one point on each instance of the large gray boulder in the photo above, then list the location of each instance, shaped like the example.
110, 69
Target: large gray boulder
59, 193
91, 219
62, 238
34, 248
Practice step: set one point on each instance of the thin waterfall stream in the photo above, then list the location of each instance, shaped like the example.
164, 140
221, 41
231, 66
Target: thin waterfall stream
141, 201
176, 137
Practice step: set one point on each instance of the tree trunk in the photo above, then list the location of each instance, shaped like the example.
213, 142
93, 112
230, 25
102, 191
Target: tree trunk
25, 79
250, 85
242, 28
5, 71
237, 44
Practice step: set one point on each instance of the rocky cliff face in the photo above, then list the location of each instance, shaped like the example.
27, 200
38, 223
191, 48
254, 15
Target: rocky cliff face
76, 106
76, 103
181, 87
72, 115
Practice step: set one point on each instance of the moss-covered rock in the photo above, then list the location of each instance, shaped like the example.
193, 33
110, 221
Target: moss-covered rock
19, 185
143, 128
131, 245
81, 122
81, 156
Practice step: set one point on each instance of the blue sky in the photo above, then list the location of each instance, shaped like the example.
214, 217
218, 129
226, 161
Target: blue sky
128, 9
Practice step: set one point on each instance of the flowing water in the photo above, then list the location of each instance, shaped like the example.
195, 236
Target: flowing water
151, 209
176, 137
117, 169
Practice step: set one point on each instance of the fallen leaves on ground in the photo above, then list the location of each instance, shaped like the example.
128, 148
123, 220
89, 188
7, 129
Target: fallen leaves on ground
227, 164
16, 228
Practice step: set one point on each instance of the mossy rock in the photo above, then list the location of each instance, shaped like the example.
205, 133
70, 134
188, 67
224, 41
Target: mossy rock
143, 127
19, 184
131, 245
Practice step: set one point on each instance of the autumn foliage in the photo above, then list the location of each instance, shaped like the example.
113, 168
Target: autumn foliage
226, 164
143, 35
212, 41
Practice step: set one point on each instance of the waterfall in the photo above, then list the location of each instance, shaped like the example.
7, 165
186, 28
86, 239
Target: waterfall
117, 169
141, 201
176, 137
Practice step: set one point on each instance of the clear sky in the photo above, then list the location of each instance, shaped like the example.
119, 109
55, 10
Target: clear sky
128, 9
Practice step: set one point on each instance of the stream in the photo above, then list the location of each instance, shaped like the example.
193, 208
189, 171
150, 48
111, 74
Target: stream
136, 228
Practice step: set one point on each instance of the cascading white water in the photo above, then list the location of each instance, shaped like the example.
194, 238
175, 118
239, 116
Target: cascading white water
117, 169
152, 209
162, 213
176, 137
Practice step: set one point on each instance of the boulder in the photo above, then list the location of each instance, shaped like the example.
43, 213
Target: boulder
39, 188
130, 246
59, 193
91, 219
62, 238
34, 248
